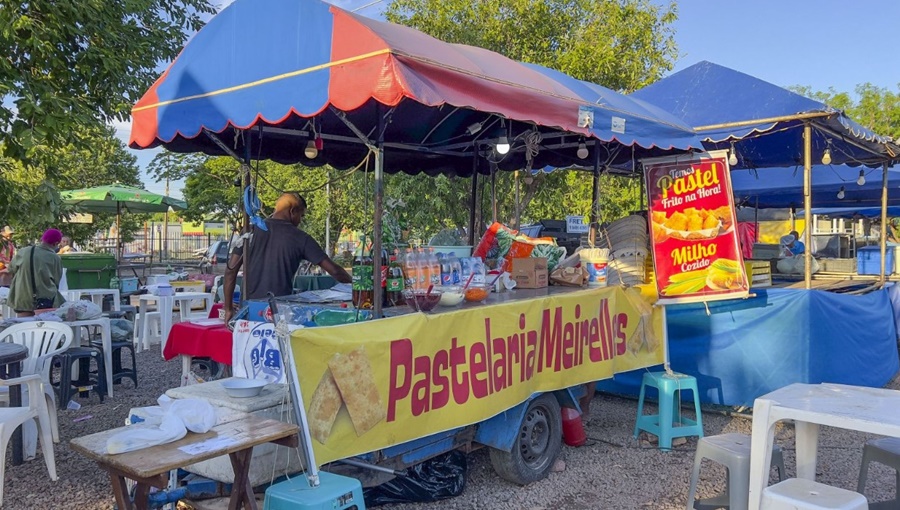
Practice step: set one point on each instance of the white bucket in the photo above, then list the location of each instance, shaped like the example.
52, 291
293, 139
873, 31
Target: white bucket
596, 261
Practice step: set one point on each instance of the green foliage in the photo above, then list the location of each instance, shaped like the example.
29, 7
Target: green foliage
874, 107
210, 192
621, 44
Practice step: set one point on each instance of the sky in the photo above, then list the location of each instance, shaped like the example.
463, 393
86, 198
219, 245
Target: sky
817, 43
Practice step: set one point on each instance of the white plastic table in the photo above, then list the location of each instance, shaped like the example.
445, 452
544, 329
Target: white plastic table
871, 410
96, 296
184, 300
142, 325
105, 337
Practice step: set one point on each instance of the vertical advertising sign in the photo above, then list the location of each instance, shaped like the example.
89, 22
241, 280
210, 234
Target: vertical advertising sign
696, 252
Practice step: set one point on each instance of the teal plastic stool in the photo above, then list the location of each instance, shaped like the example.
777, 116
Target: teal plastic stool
667, 425
335, 492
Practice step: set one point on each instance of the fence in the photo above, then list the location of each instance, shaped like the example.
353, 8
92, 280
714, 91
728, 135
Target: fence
184, 248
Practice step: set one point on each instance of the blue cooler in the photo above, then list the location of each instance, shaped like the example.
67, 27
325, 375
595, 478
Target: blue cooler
334, 492
868, 260
128, 285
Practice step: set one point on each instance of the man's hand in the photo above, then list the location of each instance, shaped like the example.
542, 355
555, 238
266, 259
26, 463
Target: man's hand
229, 312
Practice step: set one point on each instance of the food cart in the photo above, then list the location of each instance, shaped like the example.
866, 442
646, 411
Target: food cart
403, 387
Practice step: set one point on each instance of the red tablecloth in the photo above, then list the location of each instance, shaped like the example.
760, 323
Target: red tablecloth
200, 341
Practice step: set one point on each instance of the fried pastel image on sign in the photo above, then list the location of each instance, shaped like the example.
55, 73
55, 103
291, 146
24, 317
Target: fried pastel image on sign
349, 380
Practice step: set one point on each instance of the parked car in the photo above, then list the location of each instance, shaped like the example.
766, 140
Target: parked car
217, 252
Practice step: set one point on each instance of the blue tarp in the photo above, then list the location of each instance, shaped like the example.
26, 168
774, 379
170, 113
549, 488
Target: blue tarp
747, 348
783, 187
706, 94
853, 212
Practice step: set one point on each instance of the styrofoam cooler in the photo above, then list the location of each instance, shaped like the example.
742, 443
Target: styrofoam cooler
274, 402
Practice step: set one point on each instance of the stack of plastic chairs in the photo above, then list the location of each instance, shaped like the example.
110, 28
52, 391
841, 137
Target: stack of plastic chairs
628, 242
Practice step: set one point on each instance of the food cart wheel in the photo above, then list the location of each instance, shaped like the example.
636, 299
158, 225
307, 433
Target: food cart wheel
537, 445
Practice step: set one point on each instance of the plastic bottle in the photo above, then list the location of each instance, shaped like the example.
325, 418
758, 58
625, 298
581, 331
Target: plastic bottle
424, 270
455, 269
394, 289
362, 282
434, 269
410, 271
446, 272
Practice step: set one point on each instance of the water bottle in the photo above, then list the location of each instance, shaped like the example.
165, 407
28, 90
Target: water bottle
455, 269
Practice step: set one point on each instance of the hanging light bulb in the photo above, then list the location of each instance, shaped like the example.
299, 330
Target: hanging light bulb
840, 194
826, 157
732, 159
862, 177
474, 128
502, 145
311, 151
582, 152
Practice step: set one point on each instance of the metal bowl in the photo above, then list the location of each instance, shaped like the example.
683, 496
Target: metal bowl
238, 387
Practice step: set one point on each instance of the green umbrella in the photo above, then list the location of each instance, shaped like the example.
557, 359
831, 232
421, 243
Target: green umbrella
117, 198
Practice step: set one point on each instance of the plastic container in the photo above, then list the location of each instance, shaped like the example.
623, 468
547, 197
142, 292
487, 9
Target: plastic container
241, 388
451, 296
88, 270
596, 261
421, 300
572, 427
477, 292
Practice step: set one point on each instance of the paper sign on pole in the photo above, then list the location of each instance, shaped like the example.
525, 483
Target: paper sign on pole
696, 252
576, 225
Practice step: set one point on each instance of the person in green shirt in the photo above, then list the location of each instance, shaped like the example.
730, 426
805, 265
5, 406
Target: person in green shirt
36, 271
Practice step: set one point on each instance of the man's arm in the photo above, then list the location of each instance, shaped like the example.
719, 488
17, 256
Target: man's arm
339, 273
231, 271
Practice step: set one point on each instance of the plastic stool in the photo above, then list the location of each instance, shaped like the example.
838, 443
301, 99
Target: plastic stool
85, 382
335, 492
885, 450
802, 494
666, 425
733, 452
118, 371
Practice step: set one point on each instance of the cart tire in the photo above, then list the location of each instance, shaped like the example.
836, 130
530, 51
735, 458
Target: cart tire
538, 443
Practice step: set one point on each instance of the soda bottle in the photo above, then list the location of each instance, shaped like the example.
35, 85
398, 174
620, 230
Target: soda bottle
394, 289
434, 269
455, 269
446, 273
362, 282
410, 271
385, 261
424, 269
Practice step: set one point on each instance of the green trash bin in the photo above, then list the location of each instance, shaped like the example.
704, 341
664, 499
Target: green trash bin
88, 270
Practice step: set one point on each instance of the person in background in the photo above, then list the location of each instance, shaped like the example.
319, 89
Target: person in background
65, 246
794, 247
7, 252
36, 273
275, 254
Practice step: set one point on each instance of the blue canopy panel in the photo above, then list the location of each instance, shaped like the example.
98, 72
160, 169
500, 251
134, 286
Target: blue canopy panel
853, 212
741, 349
782, 187
707, 94
270, 75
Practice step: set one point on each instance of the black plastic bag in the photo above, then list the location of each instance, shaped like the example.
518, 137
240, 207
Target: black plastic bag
439, 478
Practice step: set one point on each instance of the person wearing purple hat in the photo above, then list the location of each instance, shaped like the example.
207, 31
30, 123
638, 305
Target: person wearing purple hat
36, 271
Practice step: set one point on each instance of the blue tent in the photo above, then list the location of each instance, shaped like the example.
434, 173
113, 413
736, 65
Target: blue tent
853, 212
769, 132
782, 187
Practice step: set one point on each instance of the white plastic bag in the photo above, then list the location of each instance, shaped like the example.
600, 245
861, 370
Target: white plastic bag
168, 422
63, 282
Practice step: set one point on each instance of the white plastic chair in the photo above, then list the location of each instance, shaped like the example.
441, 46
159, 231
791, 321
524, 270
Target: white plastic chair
43, 340
12, 417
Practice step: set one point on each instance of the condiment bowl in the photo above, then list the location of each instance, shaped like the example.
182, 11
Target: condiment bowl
477, 292
420, 299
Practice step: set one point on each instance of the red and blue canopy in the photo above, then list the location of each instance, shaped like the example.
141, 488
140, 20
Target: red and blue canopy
266, 75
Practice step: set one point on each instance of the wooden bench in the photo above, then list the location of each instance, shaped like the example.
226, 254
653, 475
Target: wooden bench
150, 467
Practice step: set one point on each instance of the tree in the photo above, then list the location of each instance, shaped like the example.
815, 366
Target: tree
106, 161
876, 108
210, 191
71, 67
621, 44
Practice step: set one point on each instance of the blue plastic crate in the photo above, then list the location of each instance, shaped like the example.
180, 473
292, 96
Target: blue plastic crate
868, 260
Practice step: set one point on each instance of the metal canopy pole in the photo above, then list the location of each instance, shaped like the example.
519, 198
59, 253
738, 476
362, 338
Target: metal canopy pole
472, 199
595, 199
884, 224
494, 192
379, 211
807, 203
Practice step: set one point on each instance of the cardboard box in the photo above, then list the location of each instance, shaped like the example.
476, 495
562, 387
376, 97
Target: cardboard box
530, 272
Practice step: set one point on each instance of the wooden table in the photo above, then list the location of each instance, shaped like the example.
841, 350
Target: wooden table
11, 356
150, 467
872, 410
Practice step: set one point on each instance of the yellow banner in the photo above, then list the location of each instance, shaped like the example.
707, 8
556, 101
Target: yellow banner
370, 385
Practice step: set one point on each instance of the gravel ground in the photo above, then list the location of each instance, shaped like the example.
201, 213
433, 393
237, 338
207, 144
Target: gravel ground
612, 471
